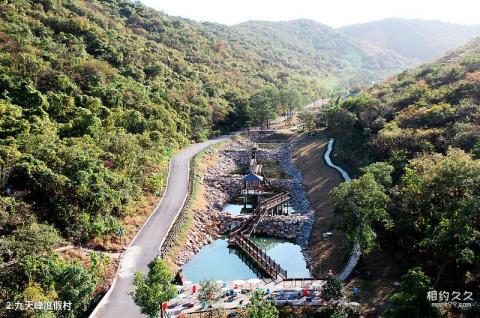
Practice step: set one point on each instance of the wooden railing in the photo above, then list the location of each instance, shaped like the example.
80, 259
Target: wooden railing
260, 211
274, 201
259, 257
239, 237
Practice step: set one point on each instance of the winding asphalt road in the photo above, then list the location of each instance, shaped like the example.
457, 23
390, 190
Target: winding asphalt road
144, 247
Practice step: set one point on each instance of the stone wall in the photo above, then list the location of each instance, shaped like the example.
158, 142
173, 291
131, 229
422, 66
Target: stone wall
279, 226
220, 185
282, 226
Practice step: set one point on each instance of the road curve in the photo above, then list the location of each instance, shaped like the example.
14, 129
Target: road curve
144, 247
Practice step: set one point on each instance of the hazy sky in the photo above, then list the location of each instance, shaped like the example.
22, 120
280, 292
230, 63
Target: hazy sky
331, 12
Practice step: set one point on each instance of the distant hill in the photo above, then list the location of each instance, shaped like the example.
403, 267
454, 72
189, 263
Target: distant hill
419, 131
306, 43
420, 40
97, 95
431, 107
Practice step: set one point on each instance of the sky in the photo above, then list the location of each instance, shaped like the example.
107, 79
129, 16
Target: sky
334, 13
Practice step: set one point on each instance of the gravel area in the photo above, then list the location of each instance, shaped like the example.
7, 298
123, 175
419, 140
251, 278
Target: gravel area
299, 200
221, 184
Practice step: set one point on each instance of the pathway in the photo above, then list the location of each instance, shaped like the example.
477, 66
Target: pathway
144, 247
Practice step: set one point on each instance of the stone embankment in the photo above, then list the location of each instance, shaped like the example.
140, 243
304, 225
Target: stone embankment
219, 186
279, 226
222, 182
299, 200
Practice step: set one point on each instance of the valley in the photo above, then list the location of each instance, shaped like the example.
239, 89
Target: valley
157, 165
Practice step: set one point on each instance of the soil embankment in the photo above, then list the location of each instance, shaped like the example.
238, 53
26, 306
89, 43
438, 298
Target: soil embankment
376, 272
326, 253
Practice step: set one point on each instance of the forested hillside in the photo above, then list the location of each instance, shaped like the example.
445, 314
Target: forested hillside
96, 96
306, 44
419, 40
414, 144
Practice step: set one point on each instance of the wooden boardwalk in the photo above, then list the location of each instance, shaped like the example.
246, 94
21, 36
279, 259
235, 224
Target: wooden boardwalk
240, 237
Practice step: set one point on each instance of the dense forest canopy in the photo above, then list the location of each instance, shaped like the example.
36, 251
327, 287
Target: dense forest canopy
96, 96
413, 142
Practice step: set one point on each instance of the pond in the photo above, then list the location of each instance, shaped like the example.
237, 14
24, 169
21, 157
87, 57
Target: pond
288, 254
217, 261
237, 209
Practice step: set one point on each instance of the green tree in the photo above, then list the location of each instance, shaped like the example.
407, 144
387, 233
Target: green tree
362, 204
308, 119
11, 120
30, 239
382, 172
209, 293
438, 196
75, 284
411, 300
34, 292
98, 265
333, 288
70, 280
154, 289
13, 214
340, 121
264, 106
260, 307
290, 99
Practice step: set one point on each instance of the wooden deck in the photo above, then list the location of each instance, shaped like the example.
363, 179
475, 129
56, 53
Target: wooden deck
240, 237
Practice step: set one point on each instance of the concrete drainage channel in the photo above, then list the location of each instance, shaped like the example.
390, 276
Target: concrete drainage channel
356, 252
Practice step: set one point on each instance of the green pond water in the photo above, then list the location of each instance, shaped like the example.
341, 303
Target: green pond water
217, 261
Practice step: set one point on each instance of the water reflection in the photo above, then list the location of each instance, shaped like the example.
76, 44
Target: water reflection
217, 261
237, 209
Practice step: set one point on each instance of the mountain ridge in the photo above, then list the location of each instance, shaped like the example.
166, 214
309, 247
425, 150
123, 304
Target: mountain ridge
319, 42
418, 39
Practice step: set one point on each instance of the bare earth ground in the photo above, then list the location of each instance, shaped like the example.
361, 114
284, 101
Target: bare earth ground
377, 271
319, 180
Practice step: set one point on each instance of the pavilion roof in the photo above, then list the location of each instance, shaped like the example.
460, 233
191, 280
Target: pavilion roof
252, 177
